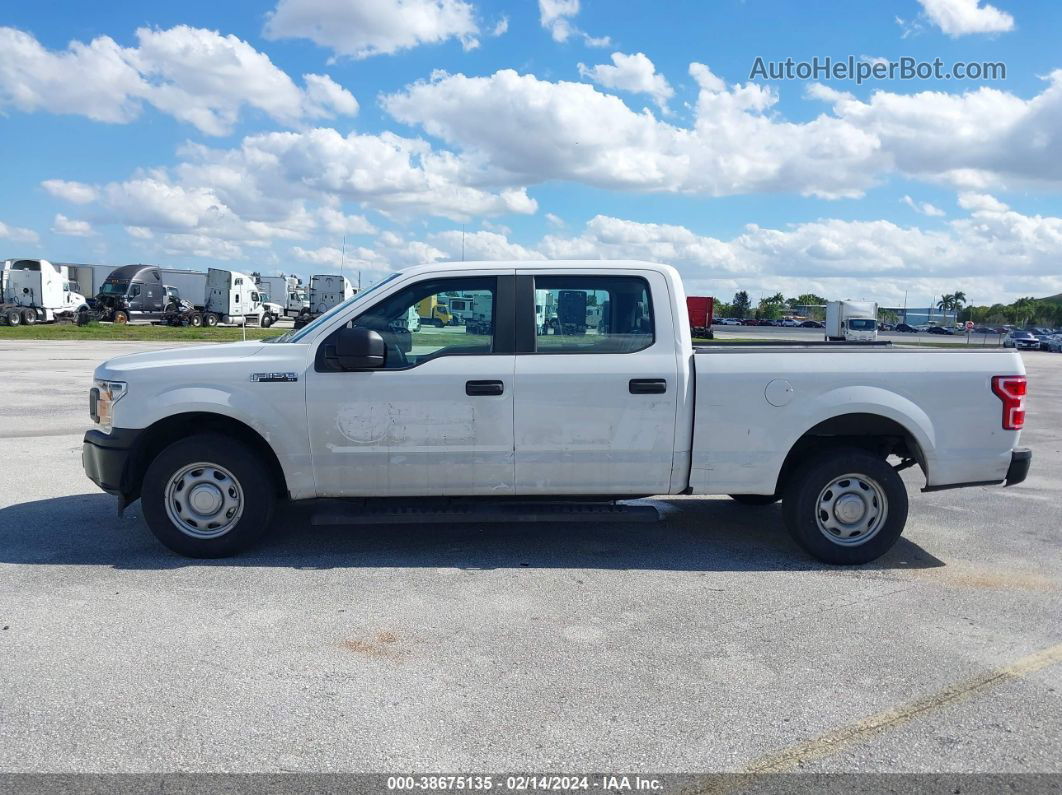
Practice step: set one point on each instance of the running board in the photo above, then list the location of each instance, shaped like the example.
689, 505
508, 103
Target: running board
350, 512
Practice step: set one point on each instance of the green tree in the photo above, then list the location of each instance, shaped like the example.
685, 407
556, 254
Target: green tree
741, 304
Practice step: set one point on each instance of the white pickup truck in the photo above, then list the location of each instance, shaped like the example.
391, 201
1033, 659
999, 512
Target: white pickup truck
503, 416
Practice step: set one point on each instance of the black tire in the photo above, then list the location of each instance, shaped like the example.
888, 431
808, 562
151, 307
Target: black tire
251, 477
121, 317
210, 319
195, 319
29, 317
756, 499
802, 511
265, 321
14, 318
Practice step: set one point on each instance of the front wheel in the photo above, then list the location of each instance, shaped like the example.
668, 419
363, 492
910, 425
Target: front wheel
207, 496
121, 318
845, 506
265, 321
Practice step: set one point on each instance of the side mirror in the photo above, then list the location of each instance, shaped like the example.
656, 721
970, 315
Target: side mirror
360, 348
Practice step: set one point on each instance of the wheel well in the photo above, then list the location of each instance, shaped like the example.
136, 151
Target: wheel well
877, 435
171, 429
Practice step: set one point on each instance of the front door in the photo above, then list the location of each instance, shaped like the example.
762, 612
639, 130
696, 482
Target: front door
437, 419
596, 386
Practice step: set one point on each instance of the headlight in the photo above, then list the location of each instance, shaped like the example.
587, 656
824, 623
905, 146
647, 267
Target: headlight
102, 398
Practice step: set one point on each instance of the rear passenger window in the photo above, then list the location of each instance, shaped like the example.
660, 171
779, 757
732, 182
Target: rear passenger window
592, 314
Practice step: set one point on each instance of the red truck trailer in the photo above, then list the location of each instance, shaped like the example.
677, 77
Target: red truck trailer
700, 309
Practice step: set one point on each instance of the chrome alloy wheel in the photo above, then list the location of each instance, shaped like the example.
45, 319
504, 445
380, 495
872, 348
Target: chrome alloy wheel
204, 500
851, 509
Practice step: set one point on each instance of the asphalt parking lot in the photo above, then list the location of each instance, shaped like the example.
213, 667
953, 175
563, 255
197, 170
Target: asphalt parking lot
704, 642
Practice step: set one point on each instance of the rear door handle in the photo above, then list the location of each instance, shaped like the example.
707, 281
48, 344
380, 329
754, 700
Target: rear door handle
647, 386
477, 388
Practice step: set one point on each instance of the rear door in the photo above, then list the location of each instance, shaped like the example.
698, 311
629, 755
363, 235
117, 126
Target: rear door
596, 383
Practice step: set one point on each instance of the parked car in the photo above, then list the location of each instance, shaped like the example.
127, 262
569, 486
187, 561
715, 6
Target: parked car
750, 321
210, 438
728, 321
1054, 343
985, 330
906, 329
1021, 340
885, 327
812, 324
939, 330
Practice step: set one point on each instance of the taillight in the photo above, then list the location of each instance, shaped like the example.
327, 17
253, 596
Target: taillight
1011, 390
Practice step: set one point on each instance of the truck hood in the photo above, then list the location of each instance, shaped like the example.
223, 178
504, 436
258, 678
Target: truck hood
191, 355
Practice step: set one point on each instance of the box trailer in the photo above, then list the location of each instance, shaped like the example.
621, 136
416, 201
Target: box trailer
286, 291
328, 290
701, 310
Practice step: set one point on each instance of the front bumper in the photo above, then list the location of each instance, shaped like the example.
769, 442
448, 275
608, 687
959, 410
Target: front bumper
106, 456
1020, 460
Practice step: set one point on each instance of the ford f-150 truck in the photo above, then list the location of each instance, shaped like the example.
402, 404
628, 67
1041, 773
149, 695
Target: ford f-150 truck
355, 406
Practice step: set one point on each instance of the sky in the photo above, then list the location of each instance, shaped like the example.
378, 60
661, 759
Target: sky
309, 136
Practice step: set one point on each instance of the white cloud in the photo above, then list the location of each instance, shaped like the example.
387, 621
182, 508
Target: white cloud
71, 227
526, 130
197, 76
633, 73
73, 192
18, 234
555, 220
139, 232
336, 223
925, 208
556, 16
362, 28
961, 17
482, 245
533, 130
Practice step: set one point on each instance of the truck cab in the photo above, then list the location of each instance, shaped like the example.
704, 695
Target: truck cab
37, 291
134, 292
851, 321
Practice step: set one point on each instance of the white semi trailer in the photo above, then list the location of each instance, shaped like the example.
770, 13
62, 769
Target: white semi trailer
38, 291
851, 321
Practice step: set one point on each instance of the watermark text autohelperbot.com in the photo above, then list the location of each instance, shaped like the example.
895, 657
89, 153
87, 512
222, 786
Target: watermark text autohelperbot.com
863, 69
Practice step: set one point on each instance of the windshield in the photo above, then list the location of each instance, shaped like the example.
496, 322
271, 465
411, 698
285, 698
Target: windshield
300, 335
114, 288
861, 324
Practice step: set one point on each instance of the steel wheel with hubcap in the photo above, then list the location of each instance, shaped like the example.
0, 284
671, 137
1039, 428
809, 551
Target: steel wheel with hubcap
845, 505
208, 496
204, 500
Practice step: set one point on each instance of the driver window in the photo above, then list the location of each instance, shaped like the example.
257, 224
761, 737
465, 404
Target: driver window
423, 322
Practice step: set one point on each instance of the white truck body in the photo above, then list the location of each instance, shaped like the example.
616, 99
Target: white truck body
232, 296
854, 321
653, 417
87, 278
287, 291
328, 291
39, 288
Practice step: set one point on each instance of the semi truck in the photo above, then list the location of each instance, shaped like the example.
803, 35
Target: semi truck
148, 292
38, 291
521, 427
231, 297
286, 291
851, 321
326, 291
86, 279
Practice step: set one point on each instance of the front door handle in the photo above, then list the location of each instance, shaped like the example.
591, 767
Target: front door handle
647, 386
477, 388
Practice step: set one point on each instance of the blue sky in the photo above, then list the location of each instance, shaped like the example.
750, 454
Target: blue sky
186, 134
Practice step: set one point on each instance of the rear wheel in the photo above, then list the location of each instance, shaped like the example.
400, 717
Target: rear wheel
210, 319
845, 506
207, 496
756, 499
121, 317
14, 318
195, 319
29, 317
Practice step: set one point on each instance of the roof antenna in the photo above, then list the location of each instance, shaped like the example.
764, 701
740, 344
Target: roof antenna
462, 242
343, 256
